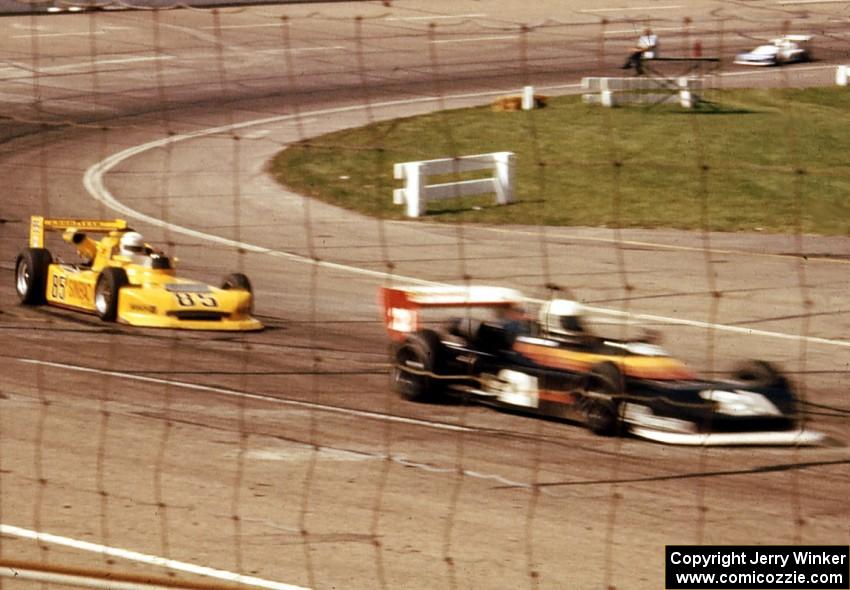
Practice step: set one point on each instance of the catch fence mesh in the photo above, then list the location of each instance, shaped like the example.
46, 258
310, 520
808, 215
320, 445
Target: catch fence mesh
134, 458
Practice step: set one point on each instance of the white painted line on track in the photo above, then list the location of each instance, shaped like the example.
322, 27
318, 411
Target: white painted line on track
434, 17
253, 396
764, 72
400, 459
636, 30
670, 247
94, 64
254, 26
182, 566
721, 327
108, 62
93, 180
624, 8
476, 39
297, 50
792, 2
82, 34
28, 27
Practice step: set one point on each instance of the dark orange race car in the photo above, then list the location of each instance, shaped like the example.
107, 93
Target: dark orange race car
553, 365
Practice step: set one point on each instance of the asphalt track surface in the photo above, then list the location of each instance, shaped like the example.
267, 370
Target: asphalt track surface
283, 455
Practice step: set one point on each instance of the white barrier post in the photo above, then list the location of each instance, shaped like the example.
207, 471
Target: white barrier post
841, 76
504, 177
411, 194
685, 98
527, 98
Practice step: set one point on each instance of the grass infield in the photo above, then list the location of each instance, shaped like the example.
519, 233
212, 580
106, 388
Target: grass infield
762, 160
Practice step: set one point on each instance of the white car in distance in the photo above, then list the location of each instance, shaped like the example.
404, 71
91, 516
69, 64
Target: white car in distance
782, 50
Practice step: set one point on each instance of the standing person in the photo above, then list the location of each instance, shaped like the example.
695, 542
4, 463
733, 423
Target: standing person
647, 48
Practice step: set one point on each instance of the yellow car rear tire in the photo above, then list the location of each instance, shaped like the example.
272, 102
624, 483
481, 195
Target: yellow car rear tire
31, 269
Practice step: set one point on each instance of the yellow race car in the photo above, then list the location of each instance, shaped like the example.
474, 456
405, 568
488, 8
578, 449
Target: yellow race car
121, 278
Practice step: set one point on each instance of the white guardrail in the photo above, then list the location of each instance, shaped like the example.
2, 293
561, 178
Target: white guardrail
417, 192
610, 92
841, 74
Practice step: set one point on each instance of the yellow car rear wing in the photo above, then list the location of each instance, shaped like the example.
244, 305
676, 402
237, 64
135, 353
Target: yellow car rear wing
39, 225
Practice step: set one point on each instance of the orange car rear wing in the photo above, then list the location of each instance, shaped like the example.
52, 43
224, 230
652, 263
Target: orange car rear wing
401, 305
39, 225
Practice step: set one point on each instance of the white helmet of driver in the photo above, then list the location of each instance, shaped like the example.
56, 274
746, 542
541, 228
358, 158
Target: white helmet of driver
562, 316
132, 244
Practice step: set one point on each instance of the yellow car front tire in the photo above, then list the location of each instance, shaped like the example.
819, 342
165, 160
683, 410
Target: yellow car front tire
107, 291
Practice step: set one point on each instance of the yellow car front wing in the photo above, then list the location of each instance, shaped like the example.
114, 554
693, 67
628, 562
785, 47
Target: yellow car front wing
205, 308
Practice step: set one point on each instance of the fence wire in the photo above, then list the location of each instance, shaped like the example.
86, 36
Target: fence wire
139, 458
